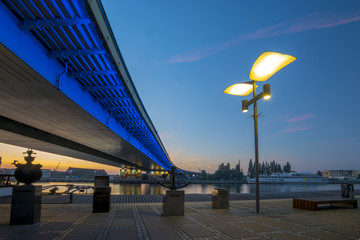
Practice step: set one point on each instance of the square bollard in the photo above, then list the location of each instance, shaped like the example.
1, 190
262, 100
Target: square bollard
102, 194
101, 199
220, 198
173, 203
25, 205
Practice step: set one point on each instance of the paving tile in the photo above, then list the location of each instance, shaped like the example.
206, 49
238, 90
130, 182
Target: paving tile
255, 227
96, 218
70, 216
235, 232
163, 234
325, 235
145, 210
285, 236
154, 223
292, 227
123, 222
42, 236
278, 221
214, 222
84, 236
124, 214
229, 218
196, 231
127, 234
178, 220
343, 231
307, 222
88, 228
56, 226
12, 231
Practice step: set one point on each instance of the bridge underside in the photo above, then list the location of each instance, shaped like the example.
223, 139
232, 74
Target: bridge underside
34, 114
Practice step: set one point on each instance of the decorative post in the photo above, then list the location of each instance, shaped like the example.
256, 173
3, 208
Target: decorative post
173, 199
26, 199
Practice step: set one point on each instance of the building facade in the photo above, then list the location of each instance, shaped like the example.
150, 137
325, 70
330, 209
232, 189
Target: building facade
85, 172
341, 173
46, 173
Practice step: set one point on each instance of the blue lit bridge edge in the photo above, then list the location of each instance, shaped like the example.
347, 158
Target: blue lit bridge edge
70, 43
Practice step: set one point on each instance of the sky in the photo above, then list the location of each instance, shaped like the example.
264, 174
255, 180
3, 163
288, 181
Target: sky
181, 55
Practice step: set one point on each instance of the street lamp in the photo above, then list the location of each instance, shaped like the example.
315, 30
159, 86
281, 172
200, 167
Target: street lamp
264, 67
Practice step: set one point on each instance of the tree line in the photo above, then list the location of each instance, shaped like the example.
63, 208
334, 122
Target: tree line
266, 168
227, 173
224, 172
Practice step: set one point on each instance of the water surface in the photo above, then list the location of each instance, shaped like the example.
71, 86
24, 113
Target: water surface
154, 189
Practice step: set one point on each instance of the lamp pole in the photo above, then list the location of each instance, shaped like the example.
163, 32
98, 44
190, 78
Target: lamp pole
256, 150
264, 67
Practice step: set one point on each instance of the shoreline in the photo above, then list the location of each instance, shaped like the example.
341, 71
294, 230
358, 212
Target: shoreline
200, 182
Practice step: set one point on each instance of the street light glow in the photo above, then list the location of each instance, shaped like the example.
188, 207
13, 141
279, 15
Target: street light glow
268, 64
240, 89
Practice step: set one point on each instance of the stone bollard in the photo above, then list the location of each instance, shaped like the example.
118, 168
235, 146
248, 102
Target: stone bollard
25, 204
220, 198
173, 203
102, 194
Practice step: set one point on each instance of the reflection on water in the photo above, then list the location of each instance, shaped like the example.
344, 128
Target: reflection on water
155, 189
136, 189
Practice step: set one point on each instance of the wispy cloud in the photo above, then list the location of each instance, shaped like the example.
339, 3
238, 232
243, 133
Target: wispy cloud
316, 20
294, 123
281, 118
300, 118
298, 128
338, 140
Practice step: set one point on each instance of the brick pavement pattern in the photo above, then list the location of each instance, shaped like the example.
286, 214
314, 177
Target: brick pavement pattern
278, 220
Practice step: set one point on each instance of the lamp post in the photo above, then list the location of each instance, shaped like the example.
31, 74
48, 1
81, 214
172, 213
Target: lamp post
264, 67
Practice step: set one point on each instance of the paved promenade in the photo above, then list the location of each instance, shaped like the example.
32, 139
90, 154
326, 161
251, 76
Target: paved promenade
278, 220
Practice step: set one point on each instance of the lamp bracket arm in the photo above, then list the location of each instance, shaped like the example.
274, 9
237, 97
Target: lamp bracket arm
257, 97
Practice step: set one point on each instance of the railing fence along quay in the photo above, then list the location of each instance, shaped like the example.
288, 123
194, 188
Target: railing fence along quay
122, 199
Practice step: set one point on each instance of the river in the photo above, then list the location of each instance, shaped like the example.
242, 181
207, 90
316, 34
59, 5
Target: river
154, 189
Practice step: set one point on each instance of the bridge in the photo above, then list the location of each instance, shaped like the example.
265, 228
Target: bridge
65, 88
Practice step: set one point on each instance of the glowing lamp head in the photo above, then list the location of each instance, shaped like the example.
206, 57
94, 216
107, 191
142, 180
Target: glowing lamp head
245, 106
266, 91
240, 89
268, 64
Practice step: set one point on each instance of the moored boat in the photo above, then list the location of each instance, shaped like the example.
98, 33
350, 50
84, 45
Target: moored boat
293, 177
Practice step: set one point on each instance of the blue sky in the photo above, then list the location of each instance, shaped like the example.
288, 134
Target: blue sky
183, 54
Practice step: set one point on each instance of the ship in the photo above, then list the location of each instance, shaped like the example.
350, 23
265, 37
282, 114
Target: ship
292, 177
